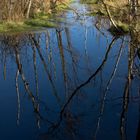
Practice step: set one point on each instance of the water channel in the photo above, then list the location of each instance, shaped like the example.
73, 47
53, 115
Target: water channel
73, 82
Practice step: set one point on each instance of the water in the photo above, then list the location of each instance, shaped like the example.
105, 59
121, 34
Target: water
74, 82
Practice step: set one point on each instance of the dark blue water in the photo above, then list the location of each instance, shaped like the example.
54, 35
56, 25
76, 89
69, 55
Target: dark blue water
74, 82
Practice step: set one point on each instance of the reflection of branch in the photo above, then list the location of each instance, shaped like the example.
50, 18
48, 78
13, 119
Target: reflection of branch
49, 52
105, 92
45, 67
124, 110
60, 46
26, 85
86, 49
72, 55
18, 97
35, 71
138, 129
96, 26
126, 94
52, 128
4, 71
89, 79
36, 83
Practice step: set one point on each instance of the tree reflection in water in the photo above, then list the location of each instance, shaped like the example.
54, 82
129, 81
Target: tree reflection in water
70, 85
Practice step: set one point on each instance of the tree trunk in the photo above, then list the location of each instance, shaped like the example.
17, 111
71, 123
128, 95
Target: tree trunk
28, 10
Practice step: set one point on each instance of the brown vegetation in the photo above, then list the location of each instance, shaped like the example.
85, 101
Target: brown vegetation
20, 9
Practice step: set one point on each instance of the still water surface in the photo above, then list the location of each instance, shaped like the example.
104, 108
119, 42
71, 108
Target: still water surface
74, 82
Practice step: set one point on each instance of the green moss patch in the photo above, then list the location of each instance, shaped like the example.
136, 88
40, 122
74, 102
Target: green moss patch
121, 29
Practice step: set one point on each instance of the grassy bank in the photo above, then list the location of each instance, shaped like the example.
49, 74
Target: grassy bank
26, 25
38, 21
118, 11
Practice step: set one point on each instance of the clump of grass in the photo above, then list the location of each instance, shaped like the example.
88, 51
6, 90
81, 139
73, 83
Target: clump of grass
122, 28
14, 27
40, 23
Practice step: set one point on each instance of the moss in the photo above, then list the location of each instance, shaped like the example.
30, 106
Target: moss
121, 29
123, 26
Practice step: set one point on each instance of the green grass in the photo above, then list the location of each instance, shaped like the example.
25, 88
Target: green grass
40, 23
27, 25
14, 27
